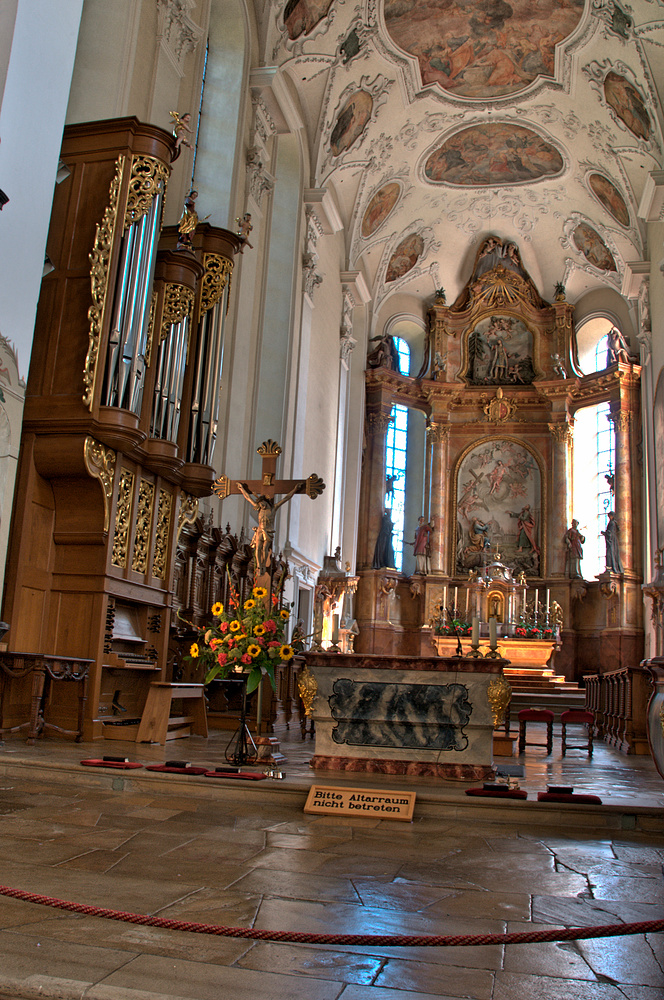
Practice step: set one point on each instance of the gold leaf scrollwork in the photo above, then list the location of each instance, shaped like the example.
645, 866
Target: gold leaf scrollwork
147, 174
164, 511
122, 515
188, 511
561, 432
100, 463
499, 694
308, 688
268, 449
178, 303
218, 271
99, 260
139, 562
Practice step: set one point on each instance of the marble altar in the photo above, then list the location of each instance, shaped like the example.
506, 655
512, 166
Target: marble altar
404, 714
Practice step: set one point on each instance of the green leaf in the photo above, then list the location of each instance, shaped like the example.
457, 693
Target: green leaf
268, 670
254, 679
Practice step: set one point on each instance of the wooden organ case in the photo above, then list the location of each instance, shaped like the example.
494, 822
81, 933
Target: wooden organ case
120, 420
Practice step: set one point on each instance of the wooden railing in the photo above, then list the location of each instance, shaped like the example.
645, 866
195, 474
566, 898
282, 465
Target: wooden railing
618, 700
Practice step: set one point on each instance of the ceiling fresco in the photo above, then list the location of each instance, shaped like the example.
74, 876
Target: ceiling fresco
482, 48
539, 121
491, 154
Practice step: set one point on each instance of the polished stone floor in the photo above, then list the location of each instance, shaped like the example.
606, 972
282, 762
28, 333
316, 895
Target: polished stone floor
246, 855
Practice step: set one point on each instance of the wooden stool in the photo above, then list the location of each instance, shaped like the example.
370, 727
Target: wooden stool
157, 723
580, 716
527, 715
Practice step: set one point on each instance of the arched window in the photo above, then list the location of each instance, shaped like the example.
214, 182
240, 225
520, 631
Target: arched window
396, 448
591, 340
594, 468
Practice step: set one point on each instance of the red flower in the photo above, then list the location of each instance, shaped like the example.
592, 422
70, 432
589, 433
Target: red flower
273, 645
223, 627
270, 625
245, 658
221, 659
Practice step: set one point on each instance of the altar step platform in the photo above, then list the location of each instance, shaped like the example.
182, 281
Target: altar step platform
542, 688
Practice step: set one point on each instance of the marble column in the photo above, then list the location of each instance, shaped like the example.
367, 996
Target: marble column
559, 519
438, 435
374, 498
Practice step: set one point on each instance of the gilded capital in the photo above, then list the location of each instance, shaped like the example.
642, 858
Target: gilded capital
561, 433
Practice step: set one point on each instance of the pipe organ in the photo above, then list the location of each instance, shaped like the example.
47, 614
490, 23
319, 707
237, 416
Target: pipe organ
120, 421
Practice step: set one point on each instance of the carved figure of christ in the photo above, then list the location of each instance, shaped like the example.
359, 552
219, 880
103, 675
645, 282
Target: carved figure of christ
261, 495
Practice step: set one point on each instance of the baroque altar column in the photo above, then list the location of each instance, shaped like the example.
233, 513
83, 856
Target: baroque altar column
438, 436
373, 487
559, 521
625, 423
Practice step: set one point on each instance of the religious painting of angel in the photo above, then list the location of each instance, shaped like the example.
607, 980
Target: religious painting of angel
302, 16
378, 209
351, 121
498, 507
593, 247
499, 352
610, 197
405, 257
628, 104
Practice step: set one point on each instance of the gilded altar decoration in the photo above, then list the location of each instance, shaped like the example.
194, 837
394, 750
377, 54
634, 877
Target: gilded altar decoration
99, 259
164, 512
178, 304
148, 178
218, 271
143, 526
314, 486
100, 463
499, 695
268, 449
308, 688
188, 512
122, 515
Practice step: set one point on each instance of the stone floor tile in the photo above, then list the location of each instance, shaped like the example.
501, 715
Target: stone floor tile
28, 955
588, 912
93, 861
481, 905
154, 843
39, 852
379, 868
514, 986
308, 960
639, 992
293, 885
442, 980
173, 867
303, 841
405, 898
559, 960
213, 982
213, 906
352, 992
641, 890
629, 959
16, 913
286, 860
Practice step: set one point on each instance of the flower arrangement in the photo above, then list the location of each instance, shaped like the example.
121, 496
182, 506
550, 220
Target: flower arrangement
455, 627
533, 632
250, 638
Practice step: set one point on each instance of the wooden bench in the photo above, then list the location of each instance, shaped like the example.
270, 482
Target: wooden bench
157, 723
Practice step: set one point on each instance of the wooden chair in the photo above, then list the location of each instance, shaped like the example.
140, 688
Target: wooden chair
578, 716
527, 715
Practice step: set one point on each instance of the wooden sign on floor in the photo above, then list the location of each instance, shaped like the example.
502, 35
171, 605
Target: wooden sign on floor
329, 800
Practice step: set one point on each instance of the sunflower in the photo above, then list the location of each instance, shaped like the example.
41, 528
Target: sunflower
259, 629
248, 605
217, 609
286, 652
284, 614
259, 592
253, 650
235, 626
193, 652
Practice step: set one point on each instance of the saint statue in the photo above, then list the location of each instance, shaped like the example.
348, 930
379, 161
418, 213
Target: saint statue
188, 222
422, 546
384, 552
573, 540
612, 540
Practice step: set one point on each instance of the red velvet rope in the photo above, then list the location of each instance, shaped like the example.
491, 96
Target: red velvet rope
370, 940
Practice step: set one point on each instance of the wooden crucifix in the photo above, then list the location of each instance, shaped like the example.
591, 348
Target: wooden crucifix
261, 493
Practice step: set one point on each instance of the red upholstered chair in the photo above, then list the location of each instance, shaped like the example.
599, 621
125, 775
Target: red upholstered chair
527, 715
578, 716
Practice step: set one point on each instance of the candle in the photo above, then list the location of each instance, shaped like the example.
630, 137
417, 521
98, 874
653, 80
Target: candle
493, 638
455, 598
536, 599
475, 641
548, 593
467, 595
444, 597
524, 602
